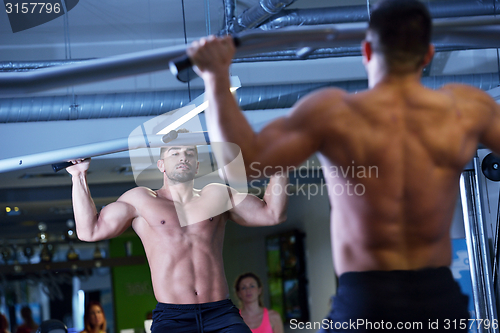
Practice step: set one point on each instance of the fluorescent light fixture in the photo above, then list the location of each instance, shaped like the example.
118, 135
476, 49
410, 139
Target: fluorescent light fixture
185, 118
235, 84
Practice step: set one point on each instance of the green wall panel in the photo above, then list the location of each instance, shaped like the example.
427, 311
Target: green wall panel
132, 287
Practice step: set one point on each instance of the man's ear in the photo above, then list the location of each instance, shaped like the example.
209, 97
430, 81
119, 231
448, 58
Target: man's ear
197, 167
429, 55
161, 165
366, 49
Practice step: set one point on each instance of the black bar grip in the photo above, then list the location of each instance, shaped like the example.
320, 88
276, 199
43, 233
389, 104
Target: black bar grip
59, 166
182, 67
62, 165
170, 136
179, 65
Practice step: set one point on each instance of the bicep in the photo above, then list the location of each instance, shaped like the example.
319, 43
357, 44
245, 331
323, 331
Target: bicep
290, 140
114, 219
284, 144
247, 209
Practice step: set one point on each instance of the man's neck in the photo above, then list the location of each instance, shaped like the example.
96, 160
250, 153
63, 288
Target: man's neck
399, 80
177, 191
378, 73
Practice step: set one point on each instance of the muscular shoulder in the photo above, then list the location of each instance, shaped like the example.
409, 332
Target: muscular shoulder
214, 188
135, 194
462, 92
217, 190
320, 102
473, 102
220, 192
316, 111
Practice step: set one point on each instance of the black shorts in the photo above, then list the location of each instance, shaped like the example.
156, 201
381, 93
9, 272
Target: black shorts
427, 300
222, 316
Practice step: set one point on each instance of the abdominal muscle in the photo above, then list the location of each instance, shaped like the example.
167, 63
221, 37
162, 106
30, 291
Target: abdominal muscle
186, 264
188, 279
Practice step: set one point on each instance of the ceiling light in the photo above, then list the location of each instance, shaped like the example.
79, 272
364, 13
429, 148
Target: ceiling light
235, 84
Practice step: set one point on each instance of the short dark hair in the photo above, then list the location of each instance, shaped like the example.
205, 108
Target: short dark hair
401, 31
163, 150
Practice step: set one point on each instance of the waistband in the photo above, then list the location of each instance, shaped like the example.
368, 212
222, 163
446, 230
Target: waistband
200, 306
432, 278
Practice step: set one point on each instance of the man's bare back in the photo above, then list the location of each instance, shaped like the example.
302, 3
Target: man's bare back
418, 141
392, 234
414, 142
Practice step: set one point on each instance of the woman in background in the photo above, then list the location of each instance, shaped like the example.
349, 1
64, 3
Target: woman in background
4, 324
259, 319
94, 318
28, 325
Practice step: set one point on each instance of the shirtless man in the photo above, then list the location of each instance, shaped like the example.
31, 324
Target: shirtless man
186, 262
391, 245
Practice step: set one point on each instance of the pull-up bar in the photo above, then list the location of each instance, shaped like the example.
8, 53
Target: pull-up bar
467, 32
102, 148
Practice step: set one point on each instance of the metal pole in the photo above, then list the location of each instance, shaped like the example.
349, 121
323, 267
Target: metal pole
101, 148
483, 31
484, 253
477, 247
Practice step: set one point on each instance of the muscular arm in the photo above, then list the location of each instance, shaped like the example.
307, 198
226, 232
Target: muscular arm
490, 136
254, 212
91, 226
288, 141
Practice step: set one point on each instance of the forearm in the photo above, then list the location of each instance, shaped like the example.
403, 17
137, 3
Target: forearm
226, 122
276, 198
84, 209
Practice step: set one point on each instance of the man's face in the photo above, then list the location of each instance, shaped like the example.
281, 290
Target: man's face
180, 163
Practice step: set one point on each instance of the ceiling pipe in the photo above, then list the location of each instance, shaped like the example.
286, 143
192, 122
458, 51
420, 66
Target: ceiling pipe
53, 108
353, 14
286, 55
229, 16
350, 14
155, 103
284, 17
254, 16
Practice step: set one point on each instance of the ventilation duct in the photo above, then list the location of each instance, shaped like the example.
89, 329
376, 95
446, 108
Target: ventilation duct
350, 14
263, 97
155, 103
254, 16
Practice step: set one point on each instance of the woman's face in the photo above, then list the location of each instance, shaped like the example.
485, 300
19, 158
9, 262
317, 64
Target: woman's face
249, 290
96, 316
